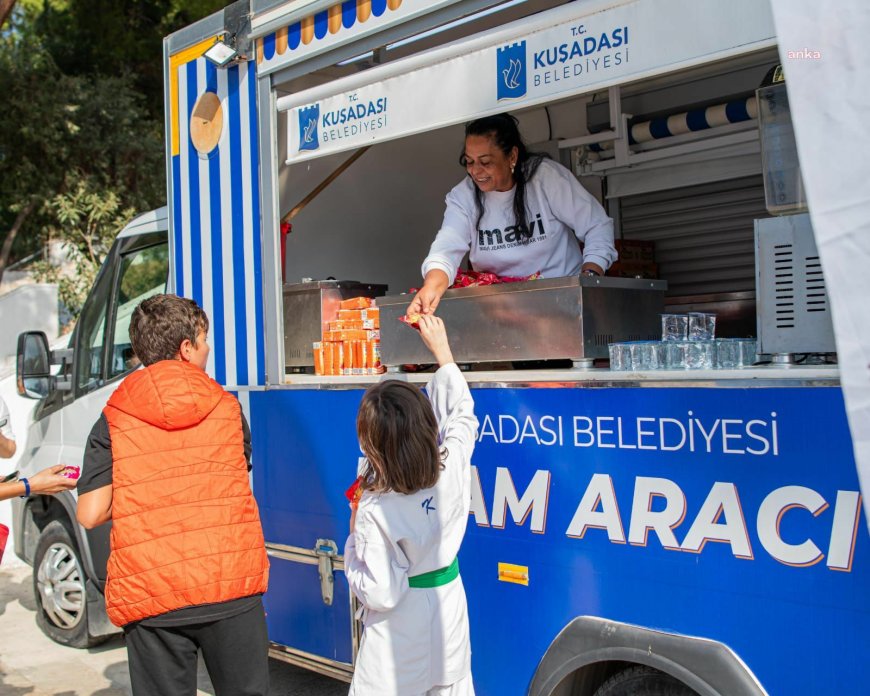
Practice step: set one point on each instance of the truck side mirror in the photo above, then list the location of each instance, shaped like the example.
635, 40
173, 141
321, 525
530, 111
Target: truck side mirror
33, 366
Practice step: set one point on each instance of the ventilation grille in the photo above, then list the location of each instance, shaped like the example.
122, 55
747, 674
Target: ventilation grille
783, 270
817, 295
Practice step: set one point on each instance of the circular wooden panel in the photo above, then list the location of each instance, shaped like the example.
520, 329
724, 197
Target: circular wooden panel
206, 123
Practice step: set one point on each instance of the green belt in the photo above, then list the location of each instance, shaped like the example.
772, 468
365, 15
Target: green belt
436, 578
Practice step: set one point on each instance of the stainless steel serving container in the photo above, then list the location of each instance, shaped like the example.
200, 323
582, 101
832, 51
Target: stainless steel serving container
573, 317
307, 309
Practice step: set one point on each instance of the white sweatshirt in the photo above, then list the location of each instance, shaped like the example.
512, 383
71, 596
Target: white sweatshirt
416, 639
558, 209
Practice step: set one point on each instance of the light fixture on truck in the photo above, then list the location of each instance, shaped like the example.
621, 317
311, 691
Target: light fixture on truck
221, 55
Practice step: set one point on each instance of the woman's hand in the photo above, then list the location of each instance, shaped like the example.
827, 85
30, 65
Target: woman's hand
434, 335
429, 295
49, 481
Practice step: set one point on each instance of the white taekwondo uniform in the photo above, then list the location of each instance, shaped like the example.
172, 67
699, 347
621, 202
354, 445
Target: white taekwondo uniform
416, 640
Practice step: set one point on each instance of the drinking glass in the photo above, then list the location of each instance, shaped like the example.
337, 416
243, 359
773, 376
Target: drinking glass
674, 327
702, 326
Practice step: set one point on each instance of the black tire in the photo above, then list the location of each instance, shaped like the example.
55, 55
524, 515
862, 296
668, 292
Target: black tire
59, 588
641, 680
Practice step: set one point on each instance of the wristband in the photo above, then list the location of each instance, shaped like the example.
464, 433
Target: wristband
26, 487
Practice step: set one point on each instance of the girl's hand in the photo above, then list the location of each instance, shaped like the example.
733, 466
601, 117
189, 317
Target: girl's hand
49, 481
434, 335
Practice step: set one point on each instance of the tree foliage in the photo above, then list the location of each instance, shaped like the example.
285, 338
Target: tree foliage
81, 132
59, 132
87, 219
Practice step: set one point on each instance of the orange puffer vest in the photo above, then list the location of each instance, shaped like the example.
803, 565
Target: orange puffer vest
185, 525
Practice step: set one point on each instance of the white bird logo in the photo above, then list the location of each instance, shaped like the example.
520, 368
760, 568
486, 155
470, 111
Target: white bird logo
512, 74
308, 134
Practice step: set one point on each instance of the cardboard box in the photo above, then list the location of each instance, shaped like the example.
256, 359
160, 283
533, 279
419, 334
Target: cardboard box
352, 335
318, 359
635, 250
358, 324
356, 303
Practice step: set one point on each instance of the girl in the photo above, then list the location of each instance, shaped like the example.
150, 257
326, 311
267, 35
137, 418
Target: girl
400, 558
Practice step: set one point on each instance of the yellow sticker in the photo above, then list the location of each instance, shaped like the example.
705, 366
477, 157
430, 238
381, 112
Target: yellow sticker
507, 572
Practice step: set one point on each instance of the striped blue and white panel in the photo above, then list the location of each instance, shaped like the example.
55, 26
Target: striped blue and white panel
215, 217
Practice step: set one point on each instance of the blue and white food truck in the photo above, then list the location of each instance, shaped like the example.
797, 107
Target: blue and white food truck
661, 531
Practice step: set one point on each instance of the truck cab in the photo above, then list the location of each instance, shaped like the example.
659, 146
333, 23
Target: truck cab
69, 562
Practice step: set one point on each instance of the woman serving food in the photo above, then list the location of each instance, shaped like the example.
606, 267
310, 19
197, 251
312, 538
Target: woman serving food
517, 213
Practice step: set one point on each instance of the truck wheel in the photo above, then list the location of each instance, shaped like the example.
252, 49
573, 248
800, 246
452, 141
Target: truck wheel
641, 680
59, 588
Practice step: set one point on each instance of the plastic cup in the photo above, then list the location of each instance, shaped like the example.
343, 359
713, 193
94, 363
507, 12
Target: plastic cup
748, 352
729, 353
620, 356
702, 326
674, 327
647, 355
699, 355
675, 355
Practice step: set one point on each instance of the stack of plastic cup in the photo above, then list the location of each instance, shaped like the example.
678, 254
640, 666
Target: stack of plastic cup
647, 355
675, 327
702, 326
620, 356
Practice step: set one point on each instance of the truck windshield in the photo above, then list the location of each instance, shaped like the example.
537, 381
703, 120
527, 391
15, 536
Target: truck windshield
141, 273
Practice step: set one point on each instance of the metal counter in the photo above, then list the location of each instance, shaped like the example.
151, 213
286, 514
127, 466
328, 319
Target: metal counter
573, 318
759, 377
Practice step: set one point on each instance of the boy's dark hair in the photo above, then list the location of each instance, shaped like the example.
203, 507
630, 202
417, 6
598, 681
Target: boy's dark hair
398, 434
160, 324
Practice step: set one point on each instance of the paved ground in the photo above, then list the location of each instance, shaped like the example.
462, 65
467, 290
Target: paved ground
32, 665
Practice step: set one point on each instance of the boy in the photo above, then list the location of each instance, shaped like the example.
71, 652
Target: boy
168, 463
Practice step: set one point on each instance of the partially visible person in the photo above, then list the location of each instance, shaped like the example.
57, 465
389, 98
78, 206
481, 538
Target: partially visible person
7, 437
168, 463
406, 530
47, 482
516, 213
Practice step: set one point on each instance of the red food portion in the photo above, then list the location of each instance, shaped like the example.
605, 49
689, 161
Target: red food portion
413, 321
354, 493
473, 279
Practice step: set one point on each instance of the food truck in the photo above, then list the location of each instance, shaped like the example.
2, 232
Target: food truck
669, 526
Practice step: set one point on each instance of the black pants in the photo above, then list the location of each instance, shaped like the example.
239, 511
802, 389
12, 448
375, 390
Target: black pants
163, 660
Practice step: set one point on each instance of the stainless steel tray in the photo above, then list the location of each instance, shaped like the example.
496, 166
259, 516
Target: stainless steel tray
573, 317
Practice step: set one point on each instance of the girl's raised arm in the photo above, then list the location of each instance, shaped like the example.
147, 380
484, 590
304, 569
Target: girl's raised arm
448, 391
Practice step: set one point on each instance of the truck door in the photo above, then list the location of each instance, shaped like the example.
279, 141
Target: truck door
70, 563
136, 268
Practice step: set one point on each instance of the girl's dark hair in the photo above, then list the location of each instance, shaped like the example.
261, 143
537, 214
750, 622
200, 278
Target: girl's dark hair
503, 130
160, 324
399, 436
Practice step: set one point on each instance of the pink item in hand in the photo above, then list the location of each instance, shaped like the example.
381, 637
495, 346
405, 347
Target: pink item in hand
71, 471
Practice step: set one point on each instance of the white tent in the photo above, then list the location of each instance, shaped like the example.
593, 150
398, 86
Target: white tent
823, 48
